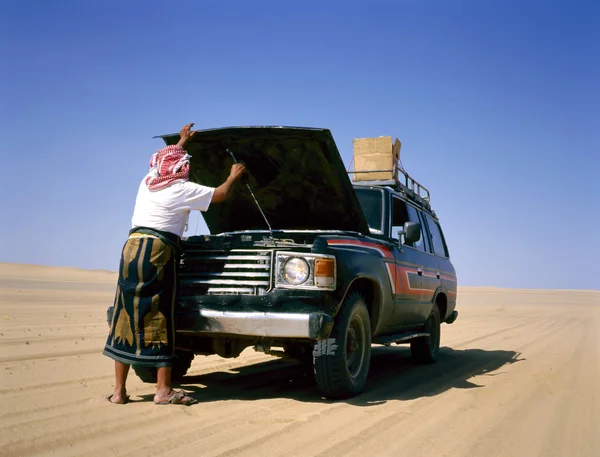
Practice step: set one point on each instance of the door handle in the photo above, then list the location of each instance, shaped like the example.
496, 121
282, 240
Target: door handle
437, 273
420, 272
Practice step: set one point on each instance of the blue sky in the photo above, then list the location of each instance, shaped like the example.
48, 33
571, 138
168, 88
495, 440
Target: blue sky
497, 105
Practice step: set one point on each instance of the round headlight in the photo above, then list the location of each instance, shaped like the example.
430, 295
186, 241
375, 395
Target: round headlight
296, 270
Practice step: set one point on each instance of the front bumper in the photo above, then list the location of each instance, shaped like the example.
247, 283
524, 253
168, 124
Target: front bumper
314, 326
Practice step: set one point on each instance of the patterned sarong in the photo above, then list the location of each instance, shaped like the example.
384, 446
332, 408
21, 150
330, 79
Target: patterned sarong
142, 327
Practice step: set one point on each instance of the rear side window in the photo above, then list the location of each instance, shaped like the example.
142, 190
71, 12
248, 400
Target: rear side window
413, 216
437, 238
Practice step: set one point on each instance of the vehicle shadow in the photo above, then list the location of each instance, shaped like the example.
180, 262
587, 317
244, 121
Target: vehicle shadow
393, 376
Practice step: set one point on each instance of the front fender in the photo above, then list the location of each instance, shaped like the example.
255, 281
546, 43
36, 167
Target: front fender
357, 261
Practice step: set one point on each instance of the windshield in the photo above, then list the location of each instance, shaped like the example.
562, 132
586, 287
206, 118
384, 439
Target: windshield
371, 202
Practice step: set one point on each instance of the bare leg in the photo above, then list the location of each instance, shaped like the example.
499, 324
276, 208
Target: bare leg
120, 393
163, 384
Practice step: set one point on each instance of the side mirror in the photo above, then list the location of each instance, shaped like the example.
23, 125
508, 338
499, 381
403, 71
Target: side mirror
412, 232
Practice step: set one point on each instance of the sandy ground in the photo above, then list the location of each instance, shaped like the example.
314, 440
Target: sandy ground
519, 375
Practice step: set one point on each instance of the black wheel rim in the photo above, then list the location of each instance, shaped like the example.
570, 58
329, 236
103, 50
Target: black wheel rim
355, 345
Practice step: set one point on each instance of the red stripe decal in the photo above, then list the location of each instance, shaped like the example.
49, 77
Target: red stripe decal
392, 274
384, 251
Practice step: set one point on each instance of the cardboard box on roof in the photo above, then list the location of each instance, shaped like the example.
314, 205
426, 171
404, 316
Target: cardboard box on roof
376, 154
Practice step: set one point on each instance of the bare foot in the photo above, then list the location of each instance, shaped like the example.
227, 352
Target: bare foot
118, 398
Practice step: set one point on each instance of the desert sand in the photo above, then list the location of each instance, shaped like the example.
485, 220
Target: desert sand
518, 375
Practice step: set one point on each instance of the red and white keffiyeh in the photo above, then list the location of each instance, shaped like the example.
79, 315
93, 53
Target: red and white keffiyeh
168, 166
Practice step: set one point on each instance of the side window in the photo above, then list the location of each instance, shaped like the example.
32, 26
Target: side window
399, 217
413, 216
437, 239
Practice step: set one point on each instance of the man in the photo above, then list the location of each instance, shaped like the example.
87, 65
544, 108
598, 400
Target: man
142, 329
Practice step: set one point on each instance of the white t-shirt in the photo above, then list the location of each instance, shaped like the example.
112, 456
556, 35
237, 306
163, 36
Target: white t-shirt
168, 209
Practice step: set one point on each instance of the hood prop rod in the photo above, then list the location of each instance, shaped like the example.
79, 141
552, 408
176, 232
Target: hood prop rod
255, 200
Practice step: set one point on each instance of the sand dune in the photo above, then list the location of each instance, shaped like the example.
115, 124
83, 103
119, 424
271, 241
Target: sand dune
518, 376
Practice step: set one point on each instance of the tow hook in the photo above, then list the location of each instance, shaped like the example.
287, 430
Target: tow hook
266, 349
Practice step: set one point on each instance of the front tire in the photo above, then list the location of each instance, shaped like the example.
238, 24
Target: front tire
341, 362
181, 364
425, 349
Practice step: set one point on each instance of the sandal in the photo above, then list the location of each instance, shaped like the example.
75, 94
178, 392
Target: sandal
178, 398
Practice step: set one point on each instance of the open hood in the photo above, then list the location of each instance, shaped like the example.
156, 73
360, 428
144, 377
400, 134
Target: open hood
296, 174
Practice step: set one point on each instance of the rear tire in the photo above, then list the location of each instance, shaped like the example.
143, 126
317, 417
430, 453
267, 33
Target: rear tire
341, 362
425, 349
181, 364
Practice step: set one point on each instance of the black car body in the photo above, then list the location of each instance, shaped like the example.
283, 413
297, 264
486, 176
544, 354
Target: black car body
301, 260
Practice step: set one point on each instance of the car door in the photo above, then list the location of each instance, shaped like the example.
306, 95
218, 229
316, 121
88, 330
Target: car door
427, 264
407, 287
445, 274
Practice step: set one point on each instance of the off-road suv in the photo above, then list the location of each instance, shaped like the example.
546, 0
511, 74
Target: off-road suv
303, 264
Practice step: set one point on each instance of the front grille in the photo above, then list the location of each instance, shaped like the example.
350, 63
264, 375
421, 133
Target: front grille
235, 272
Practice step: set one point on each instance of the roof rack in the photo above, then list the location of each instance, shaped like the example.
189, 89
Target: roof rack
401, 182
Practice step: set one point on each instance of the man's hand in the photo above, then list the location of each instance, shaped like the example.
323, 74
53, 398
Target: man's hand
185, 134
237, 170
222, 192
